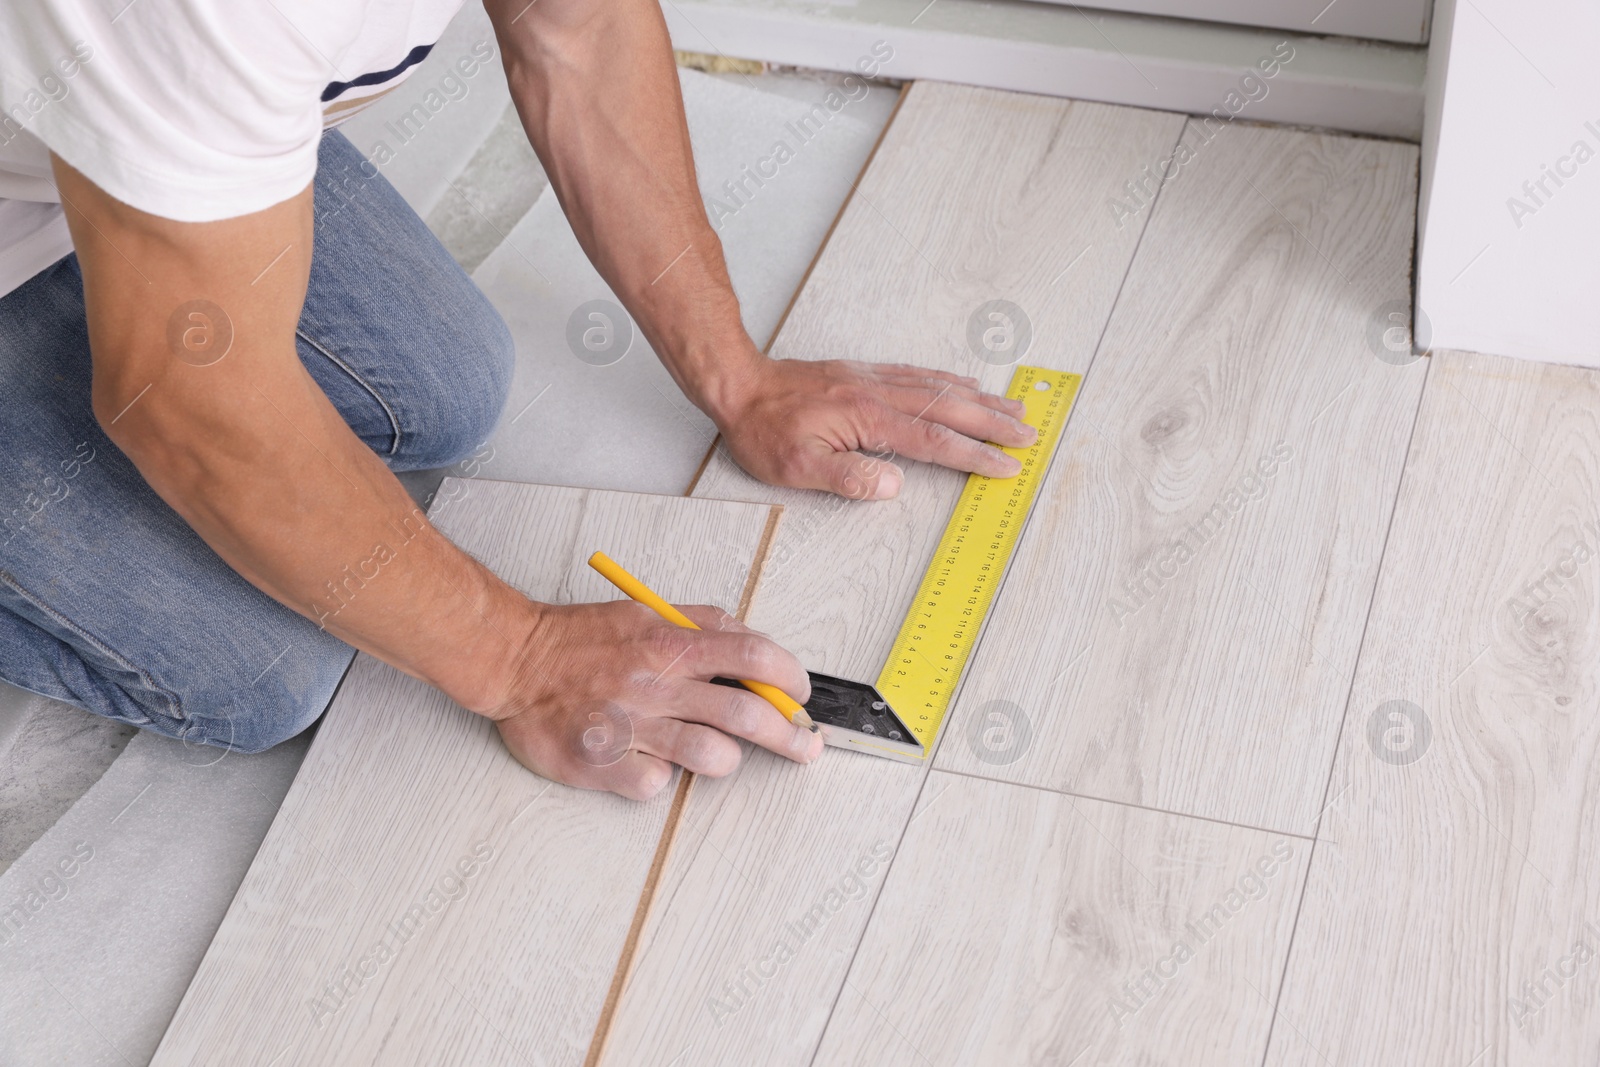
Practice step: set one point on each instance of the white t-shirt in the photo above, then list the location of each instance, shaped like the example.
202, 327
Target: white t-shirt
189, 109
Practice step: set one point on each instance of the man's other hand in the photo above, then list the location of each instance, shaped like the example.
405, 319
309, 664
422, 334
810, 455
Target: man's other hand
838, 425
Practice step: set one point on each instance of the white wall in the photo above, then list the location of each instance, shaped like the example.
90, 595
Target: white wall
1513, 91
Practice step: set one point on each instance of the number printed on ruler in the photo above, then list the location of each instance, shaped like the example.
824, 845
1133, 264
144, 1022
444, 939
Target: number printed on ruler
936, 639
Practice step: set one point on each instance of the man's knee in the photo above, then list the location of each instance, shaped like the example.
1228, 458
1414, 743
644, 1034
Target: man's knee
257, 726
469, 410
464, 405
249, 729
282, 702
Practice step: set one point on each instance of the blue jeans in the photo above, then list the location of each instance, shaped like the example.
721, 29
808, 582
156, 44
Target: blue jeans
108, 600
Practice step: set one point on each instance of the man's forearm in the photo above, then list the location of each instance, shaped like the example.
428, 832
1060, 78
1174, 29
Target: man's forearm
256, 459
598, 93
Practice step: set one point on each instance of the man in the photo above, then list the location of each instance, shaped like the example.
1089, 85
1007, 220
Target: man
205, 404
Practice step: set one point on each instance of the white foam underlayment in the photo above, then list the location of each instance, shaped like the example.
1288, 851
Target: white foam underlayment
626, 425
122, 895
104, 956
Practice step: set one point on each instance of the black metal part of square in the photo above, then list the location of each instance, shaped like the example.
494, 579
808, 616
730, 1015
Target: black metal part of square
854, 706
855, 715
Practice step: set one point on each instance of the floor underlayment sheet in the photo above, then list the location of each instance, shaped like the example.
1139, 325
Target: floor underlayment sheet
588, 389
123, 893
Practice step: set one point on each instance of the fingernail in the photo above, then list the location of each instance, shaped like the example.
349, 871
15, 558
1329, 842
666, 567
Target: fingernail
889, 483
1018, 406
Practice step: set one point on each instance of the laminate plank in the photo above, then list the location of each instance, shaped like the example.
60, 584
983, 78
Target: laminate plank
973, 195
1454, 889
421, 897
1021, 926
1180, 626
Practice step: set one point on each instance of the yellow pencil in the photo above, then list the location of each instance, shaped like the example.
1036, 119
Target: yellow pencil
642, 593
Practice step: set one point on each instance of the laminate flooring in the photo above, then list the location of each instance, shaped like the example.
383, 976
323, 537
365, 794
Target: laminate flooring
1240, 378
421, 898
1277, 747
1453, 900
933, 233
1209, 546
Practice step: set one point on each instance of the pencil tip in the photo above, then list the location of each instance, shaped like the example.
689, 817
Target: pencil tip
804, 721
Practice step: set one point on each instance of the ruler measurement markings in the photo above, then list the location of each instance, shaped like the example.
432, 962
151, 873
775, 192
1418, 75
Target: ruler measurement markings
1006, 515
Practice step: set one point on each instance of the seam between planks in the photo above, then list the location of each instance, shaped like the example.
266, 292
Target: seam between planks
669, 831
1349, 694
630, 946
758, 562
680, 799
999, 588
1070, 795
806, 277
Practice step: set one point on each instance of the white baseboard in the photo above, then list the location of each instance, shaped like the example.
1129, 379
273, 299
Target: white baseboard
1405, 21
1062, 50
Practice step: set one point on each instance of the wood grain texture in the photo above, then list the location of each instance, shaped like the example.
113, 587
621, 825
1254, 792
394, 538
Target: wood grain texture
1021, 926
1453, 900
973, 195
421, 898
1181, 623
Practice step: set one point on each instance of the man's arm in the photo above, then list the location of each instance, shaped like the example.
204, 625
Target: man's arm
598, 93
246, 447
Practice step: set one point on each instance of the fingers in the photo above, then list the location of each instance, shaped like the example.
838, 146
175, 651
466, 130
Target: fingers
637, 776
697, 738
589, 751
697, 733
934, 442
634, 698
690, 745
936, 382
947, 421
735, 651
977, 415
853, 475
711, 617
734, 711
820, 464
741, 713
906, 370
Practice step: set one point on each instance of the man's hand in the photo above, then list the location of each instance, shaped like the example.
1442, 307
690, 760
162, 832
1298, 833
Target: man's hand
598, 94
609, 696
807, 424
